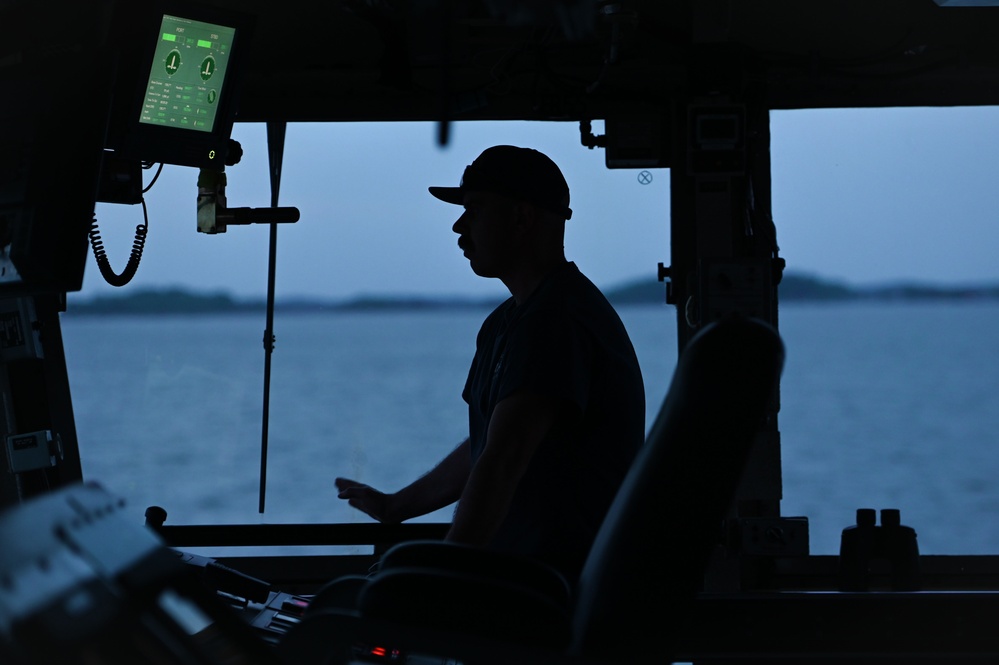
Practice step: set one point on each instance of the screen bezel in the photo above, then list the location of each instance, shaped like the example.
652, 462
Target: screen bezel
132, 139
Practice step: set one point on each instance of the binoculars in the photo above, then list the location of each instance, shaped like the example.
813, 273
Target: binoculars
867, 549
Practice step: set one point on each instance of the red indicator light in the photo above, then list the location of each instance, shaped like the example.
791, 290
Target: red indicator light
379, 651
295, 606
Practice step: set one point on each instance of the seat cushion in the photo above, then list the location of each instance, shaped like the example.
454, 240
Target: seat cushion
476, 561
467, 603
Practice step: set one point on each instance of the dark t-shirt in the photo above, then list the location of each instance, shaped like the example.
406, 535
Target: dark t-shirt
565, 342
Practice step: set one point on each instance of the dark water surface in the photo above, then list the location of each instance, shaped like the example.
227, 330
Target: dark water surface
883, 406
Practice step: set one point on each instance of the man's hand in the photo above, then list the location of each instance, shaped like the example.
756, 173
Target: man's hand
366, 499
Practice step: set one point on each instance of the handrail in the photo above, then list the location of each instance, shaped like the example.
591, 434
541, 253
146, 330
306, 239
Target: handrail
257, 535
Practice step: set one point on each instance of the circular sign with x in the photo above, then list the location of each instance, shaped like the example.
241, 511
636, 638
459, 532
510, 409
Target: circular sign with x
645, 177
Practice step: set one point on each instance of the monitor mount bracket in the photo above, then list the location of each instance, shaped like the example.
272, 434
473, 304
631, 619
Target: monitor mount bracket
213, 215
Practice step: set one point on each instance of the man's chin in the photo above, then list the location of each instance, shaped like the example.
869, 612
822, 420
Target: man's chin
481, 270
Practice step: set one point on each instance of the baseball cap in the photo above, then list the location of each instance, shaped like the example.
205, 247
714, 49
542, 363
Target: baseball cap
523, 174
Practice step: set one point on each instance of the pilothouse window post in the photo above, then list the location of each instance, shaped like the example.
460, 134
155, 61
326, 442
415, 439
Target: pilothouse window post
40, 450
724, 260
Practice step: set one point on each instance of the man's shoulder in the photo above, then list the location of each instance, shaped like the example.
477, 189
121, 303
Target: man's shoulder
573, 295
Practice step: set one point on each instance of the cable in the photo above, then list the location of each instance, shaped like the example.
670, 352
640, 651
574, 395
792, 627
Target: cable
155, 177
110, 276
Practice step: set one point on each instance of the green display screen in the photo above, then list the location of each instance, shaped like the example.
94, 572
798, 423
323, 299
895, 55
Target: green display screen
185, 80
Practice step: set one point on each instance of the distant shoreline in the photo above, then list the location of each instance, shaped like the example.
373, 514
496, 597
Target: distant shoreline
793, 288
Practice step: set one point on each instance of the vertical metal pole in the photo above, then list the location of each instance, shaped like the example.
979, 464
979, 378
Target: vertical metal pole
275, 153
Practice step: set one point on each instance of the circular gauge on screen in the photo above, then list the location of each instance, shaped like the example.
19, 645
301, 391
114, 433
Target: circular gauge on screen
172, 62
208, 67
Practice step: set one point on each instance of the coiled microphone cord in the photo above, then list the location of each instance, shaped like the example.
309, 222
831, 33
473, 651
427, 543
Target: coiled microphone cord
110, 276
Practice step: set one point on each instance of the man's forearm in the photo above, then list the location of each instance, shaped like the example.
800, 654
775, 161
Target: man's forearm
439, 487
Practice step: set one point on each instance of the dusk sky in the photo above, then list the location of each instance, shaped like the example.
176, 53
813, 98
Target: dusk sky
862, 196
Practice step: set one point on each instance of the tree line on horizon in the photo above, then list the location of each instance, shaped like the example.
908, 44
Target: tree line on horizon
794, 287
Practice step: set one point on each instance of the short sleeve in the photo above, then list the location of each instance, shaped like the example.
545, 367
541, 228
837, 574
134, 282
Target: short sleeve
547, 353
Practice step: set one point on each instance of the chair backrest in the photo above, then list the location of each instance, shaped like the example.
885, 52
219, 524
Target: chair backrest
649, 557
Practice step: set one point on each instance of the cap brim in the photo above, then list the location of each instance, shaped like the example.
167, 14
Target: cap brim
453, 195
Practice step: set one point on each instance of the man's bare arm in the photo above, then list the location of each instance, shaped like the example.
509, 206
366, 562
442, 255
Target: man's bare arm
439, 487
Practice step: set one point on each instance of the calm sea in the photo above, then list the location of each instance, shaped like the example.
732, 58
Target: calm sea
883, 406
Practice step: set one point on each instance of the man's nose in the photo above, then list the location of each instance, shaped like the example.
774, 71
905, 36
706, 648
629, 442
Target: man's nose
459, 224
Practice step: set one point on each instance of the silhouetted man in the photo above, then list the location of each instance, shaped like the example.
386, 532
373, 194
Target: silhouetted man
555, 396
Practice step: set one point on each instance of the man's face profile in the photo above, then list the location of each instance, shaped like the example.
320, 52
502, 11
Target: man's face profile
487, 232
